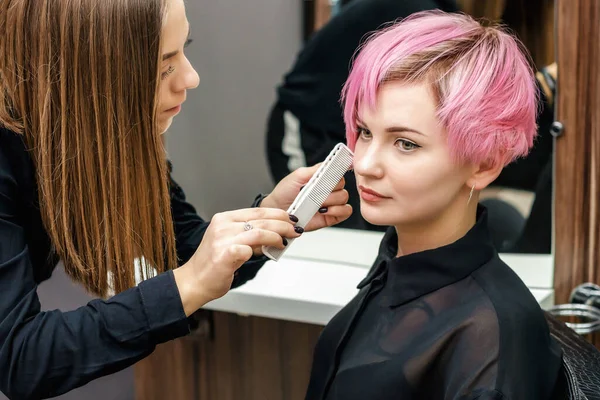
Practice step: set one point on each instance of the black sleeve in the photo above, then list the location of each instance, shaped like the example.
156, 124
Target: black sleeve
190, 229
45, 354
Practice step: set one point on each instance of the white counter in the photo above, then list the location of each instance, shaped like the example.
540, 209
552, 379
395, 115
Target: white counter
319, 273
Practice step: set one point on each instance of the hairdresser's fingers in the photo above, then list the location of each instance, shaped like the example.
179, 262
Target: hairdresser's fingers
336, 214
341, 184
343, 211
329, 216
259, 237
249, 214
237, 255
303, 175
337, 198
282, 228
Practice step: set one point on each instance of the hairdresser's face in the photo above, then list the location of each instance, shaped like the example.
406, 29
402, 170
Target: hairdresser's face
177, 74
401, 153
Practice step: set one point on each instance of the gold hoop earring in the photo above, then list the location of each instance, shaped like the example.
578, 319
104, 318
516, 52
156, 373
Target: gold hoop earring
471, 194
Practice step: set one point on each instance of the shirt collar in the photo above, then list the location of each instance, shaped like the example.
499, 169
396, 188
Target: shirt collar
415, 275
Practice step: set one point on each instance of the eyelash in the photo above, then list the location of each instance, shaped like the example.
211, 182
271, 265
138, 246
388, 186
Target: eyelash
362, 132
413, 146
168, 72
171, 69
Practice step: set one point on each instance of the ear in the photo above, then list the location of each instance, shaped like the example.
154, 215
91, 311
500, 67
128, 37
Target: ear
484, 174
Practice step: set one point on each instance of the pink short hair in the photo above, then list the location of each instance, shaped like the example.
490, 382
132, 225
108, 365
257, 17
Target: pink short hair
481, 77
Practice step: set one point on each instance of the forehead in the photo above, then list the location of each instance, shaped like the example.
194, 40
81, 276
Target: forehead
176, 23
398, 103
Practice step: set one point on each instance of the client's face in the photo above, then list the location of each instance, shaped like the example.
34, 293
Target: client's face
404, 172
177, 74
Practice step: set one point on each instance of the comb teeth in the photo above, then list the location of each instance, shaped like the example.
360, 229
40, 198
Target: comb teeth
316, 191
330, 177
322, 183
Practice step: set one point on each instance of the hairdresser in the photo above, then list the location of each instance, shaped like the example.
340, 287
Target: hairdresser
88, 87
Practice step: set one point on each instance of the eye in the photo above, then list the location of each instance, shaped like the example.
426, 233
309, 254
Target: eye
168, 72
406, 145
363, 133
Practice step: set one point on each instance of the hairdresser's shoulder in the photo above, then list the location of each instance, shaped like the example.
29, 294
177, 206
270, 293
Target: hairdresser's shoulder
11, 140
13, 152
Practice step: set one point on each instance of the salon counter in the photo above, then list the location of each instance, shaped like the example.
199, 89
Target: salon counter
319, 273
256, 342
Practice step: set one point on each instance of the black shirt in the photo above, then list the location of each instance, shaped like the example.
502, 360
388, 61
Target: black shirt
311, 90
44, 354
449, 323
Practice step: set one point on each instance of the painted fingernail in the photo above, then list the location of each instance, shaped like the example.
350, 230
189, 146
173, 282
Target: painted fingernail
299, 229
285, 242
323, 210
293, 218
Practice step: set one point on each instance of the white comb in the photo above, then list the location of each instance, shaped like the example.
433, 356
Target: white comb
315, 192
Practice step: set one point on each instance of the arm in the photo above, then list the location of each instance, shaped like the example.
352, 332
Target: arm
44, 354
469, 362
190, 229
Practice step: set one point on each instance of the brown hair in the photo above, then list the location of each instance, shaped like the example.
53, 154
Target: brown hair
80, 81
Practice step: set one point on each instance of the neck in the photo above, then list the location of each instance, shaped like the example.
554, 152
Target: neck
449, 226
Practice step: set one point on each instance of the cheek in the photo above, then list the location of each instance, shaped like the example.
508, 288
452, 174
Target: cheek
162, 94
424, 187
417, 176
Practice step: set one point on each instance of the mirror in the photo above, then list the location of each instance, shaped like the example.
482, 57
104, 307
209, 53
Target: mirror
244, 68
519, 201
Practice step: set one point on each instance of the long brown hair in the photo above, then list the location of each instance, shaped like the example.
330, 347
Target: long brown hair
80, 81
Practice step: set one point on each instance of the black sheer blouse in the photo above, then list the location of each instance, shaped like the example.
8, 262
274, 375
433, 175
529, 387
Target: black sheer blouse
449, 323
45, 354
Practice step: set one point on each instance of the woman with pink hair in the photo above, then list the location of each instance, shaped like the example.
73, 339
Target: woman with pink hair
435, 106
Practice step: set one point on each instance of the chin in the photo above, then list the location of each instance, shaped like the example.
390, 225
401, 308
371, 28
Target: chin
376, 216
163, 126
392, 215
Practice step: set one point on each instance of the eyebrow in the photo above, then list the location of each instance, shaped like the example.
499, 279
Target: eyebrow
393, 129
174, 53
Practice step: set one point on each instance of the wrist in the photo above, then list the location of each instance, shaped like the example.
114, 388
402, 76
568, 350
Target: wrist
190, 290
268, 202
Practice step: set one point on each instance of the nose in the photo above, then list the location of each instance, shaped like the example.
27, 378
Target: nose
368, 160
189, 78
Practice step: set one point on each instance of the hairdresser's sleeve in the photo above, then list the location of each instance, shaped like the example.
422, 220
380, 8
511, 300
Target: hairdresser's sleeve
190, 228
45, 354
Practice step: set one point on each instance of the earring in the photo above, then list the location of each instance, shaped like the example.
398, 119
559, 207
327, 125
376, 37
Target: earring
471, 194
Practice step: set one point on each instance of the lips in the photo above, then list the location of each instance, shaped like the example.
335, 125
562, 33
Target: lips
370, 195
174, 108
371, 192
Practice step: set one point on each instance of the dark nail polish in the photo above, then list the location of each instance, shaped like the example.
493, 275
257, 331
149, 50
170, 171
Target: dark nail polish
323, 210
299, 229
301, 188
293, 218
285, 242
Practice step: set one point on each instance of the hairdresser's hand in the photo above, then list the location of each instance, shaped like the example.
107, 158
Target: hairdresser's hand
335, 209
226, 245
